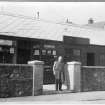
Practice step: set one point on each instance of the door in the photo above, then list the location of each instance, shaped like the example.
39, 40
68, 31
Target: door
90, 59
48, 69
23, 56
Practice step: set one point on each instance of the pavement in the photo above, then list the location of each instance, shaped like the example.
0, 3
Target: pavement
51, 96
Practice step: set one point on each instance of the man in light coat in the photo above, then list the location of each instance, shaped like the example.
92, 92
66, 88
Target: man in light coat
58, 68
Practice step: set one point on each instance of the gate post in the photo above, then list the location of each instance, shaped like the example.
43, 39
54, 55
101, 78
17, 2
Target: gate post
74, 76
37, 76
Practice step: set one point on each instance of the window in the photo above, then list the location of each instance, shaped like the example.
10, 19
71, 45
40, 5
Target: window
76, 52
102, 59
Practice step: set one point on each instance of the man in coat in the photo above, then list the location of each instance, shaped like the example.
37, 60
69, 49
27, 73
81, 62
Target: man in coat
58, 68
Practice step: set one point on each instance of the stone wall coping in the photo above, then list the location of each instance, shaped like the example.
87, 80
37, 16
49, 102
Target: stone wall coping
93, 67
74, 63
7, 64
36, 62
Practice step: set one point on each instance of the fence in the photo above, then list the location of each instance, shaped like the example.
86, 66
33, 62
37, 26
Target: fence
20, 80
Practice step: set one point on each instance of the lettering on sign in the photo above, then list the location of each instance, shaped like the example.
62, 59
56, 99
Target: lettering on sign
49, 46
36, 46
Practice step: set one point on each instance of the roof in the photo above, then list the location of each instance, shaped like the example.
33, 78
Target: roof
20, 26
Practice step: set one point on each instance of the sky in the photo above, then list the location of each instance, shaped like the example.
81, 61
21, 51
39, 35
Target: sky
76, 12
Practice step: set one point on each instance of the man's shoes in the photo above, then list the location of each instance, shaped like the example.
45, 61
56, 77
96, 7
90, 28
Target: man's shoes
60, 89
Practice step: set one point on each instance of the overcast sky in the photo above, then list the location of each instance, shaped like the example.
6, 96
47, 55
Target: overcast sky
77, 12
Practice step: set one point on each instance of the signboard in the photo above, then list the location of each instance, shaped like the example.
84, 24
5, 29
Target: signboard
54, 52
12, 50
43, 52
36, 46
36, 52
6, 42
49, 52
49, 46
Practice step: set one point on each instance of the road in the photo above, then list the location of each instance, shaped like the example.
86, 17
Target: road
96, 97
82, 97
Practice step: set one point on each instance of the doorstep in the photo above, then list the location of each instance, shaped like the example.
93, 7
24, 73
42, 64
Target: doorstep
50, 89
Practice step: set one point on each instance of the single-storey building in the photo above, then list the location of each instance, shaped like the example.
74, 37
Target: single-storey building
23, 39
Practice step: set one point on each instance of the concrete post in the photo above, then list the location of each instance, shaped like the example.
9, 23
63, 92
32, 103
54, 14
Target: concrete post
74, 77
37, 76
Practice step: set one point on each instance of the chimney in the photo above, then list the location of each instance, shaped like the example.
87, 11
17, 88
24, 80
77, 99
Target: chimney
67, 20
90, 21
38, 15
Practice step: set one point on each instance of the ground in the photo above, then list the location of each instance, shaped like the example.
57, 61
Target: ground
96, 97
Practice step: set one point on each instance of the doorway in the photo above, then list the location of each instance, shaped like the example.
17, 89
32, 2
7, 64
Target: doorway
23, 56
90, 59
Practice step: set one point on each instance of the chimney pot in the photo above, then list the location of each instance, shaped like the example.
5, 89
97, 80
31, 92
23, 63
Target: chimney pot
90, 21
38, 15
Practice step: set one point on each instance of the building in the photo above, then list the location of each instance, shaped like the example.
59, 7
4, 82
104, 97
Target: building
23, 39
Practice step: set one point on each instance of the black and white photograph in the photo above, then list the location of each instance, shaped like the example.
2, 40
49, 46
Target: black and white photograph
52, 52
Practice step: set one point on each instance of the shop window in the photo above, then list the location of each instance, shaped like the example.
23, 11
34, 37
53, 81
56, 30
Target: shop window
36, 52
54, 52
76, 52
43, 52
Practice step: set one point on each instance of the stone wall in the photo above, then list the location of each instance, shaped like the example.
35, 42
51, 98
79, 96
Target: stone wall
92, 78
21, 79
